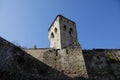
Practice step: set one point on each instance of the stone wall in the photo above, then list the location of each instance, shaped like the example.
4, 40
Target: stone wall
70, 63
37, 53
69, 60
68, 32
16, 64
96, 64
102, 64
54, 34
62, 32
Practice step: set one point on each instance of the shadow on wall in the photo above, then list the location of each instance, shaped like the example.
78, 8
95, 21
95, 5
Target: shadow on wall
100, 66
15, 64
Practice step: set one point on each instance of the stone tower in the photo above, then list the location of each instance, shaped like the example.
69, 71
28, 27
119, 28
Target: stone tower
62, 32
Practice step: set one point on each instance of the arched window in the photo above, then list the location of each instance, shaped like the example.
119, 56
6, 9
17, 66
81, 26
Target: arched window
52, 35
55, 30
64, 27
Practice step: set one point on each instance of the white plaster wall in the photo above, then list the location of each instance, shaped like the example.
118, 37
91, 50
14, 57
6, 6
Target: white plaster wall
55, 42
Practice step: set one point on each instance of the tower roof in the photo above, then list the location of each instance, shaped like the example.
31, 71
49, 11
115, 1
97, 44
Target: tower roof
62, 17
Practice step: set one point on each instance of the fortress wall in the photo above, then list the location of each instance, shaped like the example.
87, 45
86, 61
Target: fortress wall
69, 61
37, 53
103, 65
5, 54
95, 64
72, 61
114, 62
16, 64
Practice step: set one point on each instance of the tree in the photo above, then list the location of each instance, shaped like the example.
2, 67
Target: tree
35, 46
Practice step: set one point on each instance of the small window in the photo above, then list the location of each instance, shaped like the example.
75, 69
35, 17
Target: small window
64, 27
52, 35
71, 31
66, 51
55, 30
56, 54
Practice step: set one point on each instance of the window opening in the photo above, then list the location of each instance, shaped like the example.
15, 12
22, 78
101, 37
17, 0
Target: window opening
70, 31
52, 35
55, 30
64, 27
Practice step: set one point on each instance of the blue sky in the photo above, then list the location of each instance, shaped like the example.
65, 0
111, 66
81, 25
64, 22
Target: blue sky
26, 22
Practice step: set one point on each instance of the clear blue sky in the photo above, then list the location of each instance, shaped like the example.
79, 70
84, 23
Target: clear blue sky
27, 21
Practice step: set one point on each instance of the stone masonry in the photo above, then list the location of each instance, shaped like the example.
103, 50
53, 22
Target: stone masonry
62, 32
64, 60
65, 54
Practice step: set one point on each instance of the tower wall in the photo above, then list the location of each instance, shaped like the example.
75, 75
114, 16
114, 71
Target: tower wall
54, 34
68, 33
62, 32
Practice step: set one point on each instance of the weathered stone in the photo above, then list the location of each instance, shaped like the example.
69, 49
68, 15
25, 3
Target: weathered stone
65, 60
62, 32
16, 64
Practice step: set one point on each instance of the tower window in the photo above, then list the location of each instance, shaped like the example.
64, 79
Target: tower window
64, 27
71, 31
52, 35
55, 30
